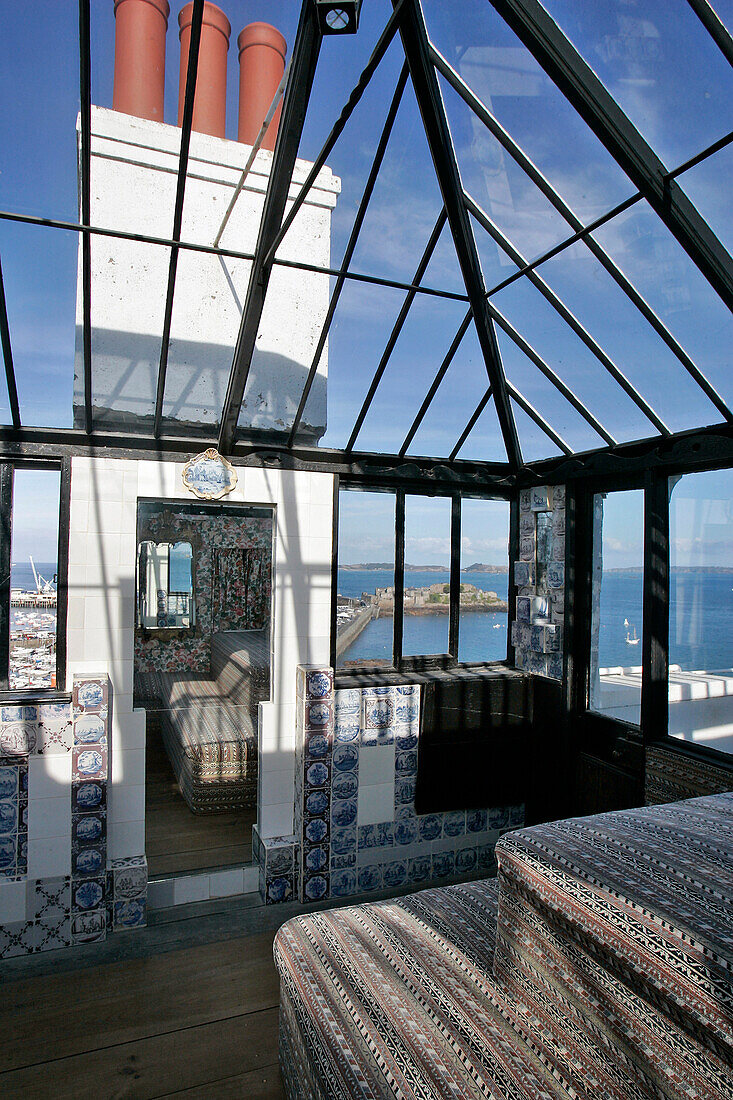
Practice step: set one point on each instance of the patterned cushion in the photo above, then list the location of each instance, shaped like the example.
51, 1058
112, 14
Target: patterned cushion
611, 976
674, 773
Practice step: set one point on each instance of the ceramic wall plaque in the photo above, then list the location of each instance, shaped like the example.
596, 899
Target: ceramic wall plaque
209, 475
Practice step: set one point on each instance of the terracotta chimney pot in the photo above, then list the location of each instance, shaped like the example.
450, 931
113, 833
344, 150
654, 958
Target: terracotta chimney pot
262, 52
210, 101
139, 79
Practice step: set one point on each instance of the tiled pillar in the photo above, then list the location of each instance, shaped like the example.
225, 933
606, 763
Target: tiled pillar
313, 777
537, 630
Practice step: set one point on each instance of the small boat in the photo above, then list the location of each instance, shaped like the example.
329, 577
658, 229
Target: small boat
632, 640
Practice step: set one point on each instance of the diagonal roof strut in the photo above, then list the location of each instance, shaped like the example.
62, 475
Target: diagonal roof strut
425, 81
579, 84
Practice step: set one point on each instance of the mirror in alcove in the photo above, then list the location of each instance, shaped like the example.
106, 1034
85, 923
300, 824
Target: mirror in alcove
202, 666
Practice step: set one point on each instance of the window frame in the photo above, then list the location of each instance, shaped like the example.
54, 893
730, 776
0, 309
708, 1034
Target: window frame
429, 662
8, 465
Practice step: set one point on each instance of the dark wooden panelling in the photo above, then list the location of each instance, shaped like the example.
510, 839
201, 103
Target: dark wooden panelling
600, 787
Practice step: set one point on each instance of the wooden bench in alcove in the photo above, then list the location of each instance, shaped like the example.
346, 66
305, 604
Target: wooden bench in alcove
209, 723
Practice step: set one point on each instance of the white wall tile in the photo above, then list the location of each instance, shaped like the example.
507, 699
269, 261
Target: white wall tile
49, 857
251, 880
12, 902
126, 838
276, 820
50, 817
49, 777
377, 765
225, 884
276, 787
161, 894
126, 803
192, 888
128, 765
375, 803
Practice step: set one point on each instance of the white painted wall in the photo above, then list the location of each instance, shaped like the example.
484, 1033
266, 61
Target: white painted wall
102, 550
134, 167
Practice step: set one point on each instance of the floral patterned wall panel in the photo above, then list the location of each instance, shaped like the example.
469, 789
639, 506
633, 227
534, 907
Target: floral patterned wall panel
232, 577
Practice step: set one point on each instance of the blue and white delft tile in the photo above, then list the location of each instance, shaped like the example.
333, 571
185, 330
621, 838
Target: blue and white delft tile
524, 574
14, 713
516, 816
316, 860
343, 883
418, 869
558, 496
317, 746
17, 738
8, 816
466, 861
476, 821
430, 826
8, 856
541, 498
380, 835
89, 763
89, 828
54, 933
129, 914
524, 608
537, 664
317, 774
404, 792
499, 817
318, 683
89, 927
89, 694
526, 523
17, 939
378, 708
130, 881
443, 864
408, 689
9, 784
279, 860
345, 758
454, 823
406, 831
88, 860
340, 862
48, 898
486, 858
558, 549
406, 763
525, 500
316, 887
406, 737
316, 830
554, 666
370, 878
90, 729
317, 715
344, 840
279, 890
347, 704
344, 812
407, 711
88, 894
556, 574
345, 785
317, 802
521, 659
394, 873
526, 548
346, 730
88, 795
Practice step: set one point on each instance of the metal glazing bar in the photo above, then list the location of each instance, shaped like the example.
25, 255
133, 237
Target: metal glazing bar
62, 584
450, 354
385, 40
85, 96
560, 308
255, 150
8, 355
455, 576
603, 219
539, 420
351, 245
432, 110
226, 253
550, 375
295, 104
714, 26
399, 577
396, 329
579, 84
471, 424
544, 185
6, 532
186, 124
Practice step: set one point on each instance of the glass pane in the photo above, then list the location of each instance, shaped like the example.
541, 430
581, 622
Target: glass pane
707, 186
616, 612
39, 274
421, 346
365, 602
484, 580
701, 609
664, 274
484, 442
33, 578
39, 87
427, 575
505, 77
534, 442
659, 64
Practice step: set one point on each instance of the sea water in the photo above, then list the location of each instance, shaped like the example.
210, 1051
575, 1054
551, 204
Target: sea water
701, 619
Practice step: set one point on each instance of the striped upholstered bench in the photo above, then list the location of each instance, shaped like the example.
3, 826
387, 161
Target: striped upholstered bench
598, 965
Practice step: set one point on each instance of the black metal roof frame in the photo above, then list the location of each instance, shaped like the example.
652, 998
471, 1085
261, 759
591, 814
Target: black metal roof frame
423, 66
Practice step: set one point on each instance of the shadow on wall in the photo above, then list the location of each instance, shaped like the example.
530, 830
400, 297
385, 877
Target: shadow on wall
125, 374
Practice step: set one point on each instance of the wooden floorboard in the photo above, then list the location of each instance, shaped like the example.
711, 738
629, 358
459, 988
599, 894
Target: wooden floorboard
177, 840
199, 1021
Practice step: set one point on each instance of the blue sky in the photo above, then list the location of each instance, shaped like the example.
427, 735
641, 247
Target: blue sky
655, 58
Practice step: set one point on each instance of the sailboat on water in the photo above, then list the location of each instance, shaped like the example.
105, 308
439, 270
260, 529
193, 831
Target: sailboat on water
631, 639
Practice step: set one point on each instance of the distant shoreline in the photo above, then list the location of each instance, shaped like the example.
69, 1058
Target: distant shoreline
385, 567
